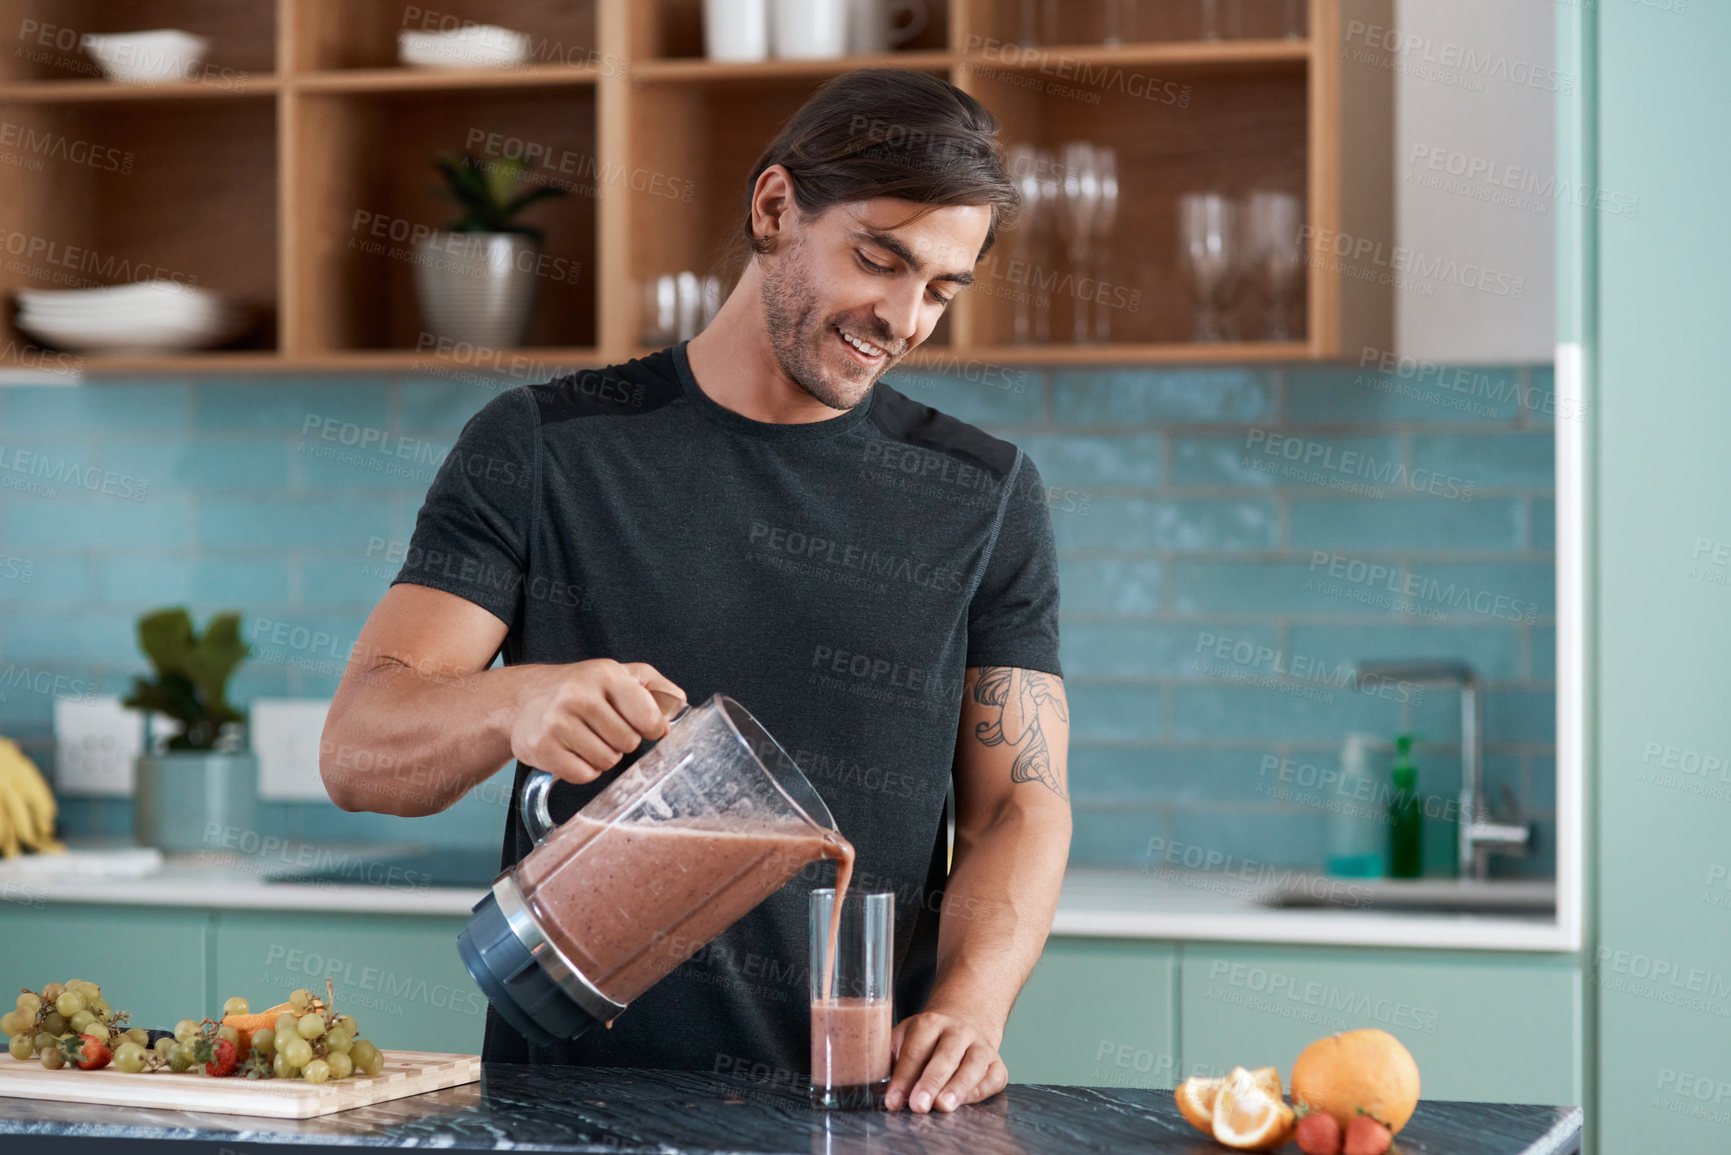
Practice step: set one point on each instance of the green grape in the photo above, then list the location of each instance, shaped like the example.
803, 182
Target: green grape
82, 1021
22, 1046
229, 1033
53, 991
285, 1025
44, 1040
281, 1067
52, 1059
165, 1047
184, 1030
54, 1023
29, 1003
337, 1041
99, 1032
264, 1042
11, 1023
236, 1006
342, 1066
180, 1058
347, 1023
130, 1058
102, 1009
367, 1059
90, 989
318, 1071
140, 1036
300, 1000
71, 1003
311, 1026
298, 1050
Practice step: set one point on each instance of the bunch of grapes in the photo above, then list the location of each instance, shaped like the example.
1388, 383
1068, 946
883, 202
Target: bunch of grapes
71, 1023
308, 1040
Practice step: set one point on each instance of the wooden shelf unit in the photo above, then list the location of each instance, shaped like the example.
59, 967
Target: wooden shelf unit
295, 169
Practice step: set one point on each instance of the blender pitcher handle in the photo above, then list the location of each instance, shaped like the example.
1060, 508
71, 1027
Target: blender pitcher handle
533, 807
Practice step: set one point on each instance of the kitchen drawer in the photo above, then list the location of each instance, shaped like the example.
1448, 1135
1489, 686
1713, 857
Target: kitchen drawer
1487, 1028
1097, 1013
148, 960
400, 976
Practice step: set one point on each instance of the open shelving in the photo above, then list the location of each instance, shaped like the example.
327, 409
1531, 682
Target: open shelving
264, 175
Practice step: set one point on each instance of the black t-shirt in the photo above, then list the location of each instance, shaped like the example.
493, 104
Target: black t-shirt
834, 577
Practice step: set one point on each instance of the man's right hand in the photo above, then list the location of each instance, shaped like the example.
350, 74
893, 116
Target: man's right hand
576, 721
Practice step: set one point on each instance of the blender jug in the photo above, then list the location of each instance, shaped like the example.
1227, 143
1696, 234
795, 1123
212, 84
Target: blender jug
709, 822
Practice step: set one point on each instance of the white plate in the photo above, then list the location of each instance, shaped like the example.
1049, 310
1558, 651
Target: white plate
476, 46
146, 57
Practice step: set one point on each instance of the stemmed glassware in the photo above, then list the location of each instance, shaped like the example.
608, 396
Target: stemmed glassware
1031, 169
1274, 221
1106, 162
1208, 239
1080, 202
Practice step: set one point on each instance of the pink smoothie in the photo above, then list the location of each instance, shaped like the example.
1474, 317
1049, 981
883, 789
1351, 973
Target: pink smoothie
850, 1042
627, 903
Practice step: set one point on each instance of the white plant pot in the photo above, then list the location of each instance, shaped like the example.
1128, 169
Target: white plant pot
476, 287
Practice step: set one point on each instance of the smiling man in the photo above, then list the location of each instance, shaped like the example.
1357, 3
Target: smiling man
757, 513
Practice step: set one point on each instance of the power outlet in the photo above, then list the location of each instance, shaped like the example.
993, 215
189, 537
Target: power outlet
95, 741
285, 736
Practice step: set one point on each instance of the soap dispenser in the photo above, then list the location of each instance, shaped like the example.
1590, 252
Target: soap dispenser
1405, 815
1357, 827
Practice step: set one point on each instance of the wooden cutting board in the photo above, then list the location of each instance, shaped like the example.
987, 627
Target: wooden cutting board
406, 1073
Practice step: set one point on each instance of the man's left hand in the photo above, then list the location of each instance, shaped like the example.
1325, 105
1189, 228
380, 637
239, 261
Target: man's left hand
942, 1061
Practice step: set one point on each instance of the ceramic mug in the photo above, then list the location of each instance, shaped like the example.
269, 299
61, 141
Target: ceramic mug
876, 26
810, 29
736, 29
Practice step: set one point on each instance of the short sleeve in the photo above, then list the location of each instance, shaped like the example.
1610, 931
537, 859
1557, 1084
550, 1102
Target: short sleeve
1013, 618
471, 537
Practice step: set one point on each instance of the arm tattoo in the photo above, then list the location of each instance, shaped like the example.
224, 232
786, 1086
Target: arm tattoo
1019, 696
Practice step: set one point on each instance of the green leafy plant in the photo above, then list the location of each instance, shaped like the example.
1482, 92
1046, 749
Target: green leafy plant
192, 672
490, 193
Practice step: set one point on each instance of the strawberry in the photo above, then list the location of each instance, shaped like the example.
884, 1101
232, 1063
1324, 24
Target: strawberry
1365, 1136
1318, 1134
86, 1052
219, 1056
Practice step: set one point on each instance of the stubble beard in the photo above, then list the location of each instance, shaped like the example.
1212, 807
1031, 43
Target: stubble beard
797, 334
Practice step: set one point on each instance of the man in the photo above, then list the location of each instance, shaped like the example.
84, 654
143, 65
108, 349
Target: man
754, 513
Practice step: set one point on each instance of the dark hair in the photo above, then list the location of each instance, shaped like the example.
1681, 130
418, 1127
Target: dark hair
890, 132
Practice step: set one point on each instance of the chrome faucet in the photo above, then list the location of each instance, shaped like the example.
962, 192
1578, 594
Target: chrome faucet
1479, 836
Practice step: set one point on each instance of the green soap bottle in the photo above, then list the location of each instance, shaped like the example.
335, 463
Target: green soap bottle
1405, 815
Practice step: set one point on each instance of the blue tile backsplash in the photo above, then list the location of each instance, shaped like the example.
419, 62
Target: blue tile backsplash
1232, 540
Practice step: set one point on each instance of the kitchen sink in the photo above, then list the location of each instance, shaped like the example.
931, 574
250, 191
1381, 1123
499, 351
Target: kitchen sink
1461, 896
463, 869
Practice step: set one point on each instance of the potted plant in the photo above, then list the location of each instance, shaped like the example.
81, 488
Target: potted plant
201, 776
476, 279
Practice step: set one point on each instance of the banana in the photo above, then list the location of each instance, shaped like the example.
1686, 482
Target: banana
27, 806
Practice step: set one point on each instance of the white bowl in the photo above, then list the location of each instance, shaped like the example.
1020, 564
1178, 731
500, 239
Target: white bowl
149, 316
146, 57
473, 46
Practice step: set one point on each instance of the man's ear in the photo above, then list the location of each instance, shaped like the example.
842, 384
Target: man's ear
771, 202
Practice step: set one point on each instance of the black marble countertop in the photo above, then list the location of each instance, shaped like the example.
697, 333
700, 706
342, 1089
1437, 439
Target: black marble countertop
621, 1112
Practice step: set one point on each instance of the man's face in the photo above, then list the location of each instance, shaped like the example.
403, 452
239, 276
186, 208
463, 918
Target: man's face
848, 293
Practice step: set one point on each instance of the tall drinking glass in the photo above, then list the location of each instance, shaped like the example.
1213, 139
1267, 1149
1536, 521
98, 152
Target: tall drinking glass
1208, 239
851, 1008
1275, 220
1077, 221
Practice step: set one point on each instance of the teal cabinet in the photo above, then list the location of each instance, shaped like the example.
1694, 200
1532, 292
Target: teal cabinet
1097, 1012
399, 975
1482, 1027
150, 961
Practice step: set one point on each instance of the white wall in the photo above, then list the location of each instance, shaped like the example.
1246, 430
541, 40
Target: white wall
1475, 91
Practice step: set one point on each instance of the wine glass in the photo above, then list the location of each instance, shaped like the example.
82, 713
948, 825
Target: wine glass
1022, 161
1211, 19
1079, 201
1208, 239
1106, 163
1273, 222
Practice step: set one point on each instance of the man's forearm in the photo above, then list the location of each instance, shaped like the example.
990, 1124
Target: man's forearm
407, 741
997, 911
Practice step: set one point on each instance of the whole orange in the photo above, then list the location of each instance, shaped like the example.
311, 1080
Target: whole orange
1355, 1072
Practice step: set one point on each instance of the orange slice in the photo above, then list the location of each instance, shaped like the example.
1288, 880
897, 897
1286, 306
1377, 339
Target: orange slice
1247, 1117
1196, 1095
